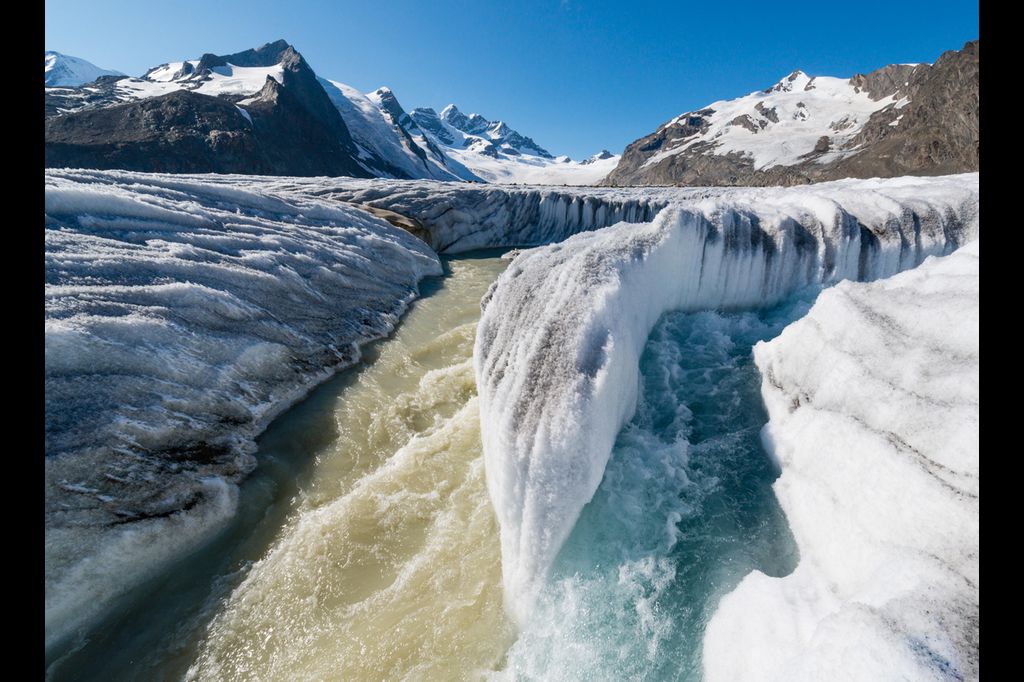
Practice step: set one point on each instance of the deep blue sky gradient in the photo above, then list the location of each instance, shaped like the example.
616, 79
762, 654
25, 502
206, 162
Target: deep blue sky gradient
576, 76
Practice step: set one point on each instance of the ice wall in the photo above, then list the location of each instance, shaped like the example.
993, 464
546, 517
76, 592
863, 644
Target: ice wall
558, 345
461, 217
181, 316
873, 406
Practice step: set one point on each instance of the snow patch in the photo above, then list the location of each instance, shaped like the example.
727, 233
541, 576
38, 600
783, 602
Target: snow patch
61, 70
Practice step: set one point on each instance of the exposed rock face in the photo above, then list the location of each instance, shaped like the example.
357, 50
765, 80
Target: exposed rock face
936, 133
916, 119
179, 132
288, 128
427, 119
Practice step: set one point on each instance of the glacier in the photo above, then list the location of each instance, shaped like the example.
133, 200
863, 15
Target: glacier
559, 341
181, 316
874, 417
284, 277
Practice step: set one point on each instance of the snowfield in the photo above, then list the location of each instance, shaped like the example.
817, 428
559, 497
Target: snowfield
874, 413
530, 169
224, 80
182, 316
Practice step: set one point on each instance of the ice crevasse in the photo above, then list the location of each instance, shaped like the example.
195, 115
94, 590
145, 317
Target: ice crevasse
559, 341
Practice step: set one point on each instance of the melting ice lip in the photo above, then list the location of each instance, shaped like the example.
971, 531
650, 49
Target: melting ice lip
559, 341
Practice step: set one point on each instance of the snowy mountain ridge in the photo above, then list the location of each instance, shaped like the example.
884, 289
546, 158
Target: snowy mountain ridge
386, 141
498, 153
901, 119
497, 132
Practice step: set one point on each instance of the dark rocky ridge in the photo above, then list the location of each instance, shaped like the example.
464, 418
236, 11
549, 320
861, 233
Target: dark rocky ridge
179, 132
503, 138
937, 134
403, 123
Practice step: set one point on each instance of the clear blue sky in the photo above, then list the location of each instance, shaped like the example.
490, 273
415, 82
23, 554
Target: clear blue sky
576, 76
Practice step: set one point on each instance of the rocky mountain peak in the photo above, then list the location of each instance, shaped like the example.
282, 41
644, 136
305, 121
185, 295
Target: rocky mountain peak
600, 156
797, 80
474, 124
901, 119
886, 81
388, 103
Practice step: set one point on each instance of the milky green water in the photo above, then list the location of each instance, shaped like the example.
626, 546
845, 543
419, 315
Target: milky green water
364, 546
388, 565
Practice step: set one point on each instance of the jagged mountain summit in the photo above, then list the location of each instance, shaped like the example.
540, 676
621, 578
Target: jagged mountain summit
265, 111
602, 155
389, 143
65, 70
497, 153
495, 134
902, 119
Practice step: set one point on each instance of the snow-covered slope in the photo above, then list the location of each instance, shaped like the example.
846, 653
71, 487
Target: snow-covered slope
61, 70
181, 316
497, 153
900, 119
781, 125
370, 119
874, 413
558, 344
228, 79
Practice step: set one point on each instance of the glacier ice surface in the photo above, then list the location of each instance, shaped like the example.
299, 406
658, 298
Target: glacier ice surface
873, 406
181, 316
558, 344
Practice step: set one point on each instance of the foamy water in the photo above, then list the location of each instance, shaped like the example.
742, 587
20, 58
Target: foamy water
685, 509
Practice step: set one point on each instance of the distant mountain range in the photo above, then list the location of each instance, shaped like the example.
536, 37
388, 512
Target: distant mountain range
903, 119
265, 111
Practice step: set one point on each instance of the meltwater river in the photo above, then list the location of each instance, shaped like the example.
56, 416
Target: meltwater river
365, 546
